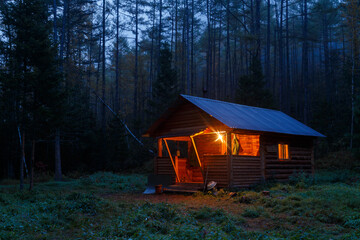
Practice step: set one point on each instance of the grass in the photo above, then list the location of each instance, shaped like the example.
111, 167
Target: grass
110, 206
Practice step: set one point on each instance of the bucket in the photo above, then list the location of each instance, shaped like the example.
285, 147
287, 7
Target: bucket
158, 189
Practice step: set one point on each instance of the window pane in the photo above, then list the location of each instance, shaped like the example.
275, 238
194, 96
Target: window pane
283, 150
246, 145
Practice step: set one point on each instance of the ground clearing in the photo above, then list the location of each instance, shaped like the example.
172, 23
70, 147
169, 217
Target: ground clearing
111, 206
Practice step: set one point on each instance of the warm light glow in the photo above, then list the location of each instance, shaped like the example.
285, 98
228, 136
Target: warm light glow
283, 150
245, 145
220, 137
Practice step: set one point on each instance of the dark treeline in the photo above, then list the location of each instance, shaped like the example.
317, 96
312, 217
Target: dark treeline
60, 60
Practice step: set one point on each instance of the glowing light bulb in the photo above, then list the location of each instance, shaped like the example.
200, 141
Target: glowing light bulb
220, 137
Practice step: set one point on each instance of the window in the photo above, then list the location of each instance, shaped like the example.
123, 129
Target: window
283, 150
245, 145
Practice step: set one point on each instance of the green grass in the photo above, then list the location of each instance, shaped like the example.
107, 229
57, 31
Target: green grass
110, 206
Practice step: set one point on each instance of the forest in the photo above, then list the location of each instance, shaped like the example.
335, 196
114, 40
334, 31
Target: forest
81, 80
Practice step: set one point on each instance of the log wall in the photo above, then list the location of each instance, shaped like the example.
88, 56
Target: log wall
163, 166
300, 157
187, 120
246, 171
216, 169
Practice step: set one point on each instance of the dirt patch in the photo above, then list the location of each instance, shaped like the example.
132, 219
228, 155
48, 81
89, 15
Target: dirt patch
189, 201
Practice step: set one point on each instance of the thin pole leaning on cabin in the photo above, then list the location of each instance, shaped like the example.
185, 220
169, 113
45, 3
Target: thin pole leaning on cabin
197, 154
172, 160
198, 158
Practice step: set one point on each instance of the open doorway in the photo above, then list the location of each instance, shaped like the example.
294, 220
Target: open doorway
183, 158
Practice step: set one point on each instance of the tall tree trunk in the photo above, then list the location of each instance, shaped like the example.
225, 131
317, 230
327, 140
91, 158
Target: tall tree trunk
117, 104
160, 26
288, 75
136, 60
235, 69
176, 36
219, 80
207, 82
88, 93
22, 160
159, 38
328, 76
281, 57
103, 96
257, 30
98, 80
268, 33
192, 48
227, 60
305, 67
183, 51
58, 174
63, 30
188, 80
352, 99
151, 72
55, 18
213, 73
276, 30
32, 162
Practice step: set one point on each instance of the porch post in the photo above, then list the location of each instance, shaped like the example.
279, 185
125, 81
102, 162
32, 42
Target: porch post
262, 157
160, 147
172, 160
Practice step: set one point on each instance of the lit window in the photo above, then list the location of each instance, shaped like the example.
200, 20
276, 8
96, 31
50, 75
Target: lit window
245, 145
283, 151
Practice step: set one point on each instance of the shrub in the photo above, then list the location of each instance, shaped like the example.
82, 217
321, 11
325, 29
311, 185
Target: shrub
248, 197
252, 212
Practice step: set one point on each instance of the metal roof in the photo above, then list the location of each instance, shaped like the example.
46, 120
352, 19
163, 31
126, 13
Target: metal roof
252, 118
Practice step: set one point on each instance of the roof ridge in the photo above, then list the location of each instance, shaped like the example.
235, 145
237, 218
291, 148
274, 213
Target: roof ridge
215, 100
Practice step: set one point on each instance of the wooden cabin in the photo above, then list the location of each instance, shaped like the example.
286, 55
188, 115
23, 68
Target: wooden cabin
201, 140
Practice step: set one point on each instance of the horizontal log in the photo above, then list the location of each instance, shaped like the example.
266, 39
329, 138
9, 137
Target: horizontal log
300, 157
246, 171
246, 182
300, 152
288, 171
246, 164
246, 160
299, 149
215, 163
245, 168
288, 162
269, 166
247, 179
239, 158
277, 171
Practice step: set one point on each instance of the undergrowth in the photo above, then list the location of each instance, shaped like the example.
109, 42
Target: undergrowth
324, 207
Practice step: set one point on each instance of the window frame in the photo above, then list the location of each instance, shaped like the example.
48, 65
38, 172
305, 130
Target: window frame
282, 146
246, 134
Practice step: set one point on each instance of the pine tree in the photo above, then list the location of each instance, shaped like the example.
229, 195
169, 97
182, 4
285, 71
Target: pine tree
251, 88
165, 89
35, 65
